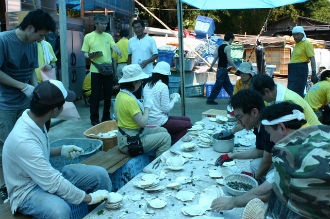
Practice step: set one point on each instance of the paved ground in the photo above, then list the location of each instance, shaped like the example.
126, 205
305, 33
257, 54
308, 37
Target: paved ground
194, 108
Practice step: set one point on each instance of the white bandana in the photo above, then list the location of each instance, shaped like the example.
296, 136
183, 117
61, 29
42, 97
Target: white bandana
296, 114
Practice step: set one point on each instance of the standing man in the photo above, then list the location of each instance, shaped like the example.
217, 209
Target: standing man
223, 55
97, 47
302, 54
142, 50
35, 187
18, 60
123, 46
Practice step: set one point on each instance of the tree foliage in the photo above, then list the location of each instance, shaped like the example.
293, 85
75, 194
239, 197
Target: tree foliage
237, 21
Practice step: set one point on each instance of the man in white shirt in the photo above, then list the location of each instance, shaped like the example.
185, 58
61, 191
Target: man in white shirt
142, 50
36, 188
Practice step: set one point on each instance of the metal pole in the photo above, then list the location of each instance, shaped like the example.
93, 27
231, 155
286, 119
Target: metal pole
181, 56
63, 42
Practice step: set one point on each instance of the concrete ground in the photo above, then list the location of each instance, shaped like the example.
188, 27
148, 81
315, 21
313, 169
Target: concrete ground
194, 107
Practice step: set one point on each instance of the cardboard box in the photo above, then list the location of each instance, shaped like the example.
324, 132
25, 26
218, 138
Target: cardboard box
213, 113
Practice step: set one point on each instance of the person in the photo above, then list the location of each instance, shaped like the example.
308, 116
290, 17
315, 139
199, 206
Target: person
157, 89
301, 166
223, 55
302, 54
248, 105
275, 93
246, 72
18, 61
46, 59
142, 50
277, 132
97, 47
123, 46
35, 187
318, 97
134, 137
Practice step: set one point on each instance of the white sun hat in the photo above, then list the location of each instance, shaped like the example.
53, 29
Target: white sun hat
162, 68
246, 68
132, 72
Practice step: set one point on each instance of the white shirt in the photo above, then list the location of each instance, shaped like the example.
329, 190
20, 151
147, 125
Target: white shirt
142, 49
25, 161
158, 114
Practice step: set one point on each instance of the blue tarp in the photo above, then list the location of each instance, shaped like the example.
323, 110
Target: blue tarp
238, 4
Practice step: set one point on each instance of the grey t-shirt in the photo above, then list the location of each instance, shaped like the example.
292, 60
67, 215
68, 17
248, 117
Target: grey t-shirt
18, 60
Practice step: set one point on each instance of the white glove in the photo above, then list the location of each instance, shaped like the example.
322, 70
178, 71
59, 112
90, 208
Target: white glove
98, 196
175, 97
28, 90
148, 103
71, 151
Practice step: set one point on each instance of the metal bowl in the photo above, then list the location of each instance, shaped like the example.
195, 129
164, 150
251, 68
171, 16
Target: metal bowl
223, 142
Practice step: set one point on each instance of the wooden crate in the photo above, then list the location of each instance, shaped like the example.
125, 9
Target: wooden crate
279, 56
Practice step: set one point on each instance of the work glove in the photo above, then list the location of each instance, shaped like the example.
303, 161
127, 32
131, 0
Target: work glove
148, 103
98, 196
223, 158
28, 90
248, 173
175, 97
314, 78
71, 151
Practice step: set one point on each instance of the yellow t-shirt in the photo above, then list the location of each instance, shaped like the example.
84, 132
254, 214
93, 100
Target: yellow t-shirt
126, 108
94, 42
319, 94
41, 58
310, 115
123, 46
302, 52
87, 85
239, 85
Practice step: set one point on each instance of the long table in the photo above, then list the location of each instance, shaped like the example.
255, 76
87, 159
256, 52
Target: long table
196, 179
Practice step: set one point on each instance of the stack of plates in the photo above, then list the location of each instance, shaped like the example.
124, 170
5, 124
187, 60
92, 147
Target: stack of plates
193, 210
148, 182
189, 146
114, 200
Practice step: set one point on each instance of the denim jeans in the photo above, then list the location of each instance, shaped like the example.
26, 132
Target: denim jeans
8, 119
222, 80
41, 204
100, 83
297, 77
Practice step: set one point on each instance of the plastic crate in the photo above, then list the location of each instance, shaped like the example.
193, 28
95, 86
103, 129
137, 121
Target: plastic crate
208, 90
174, 84
59, 161
189, 63
204, 25
166, 56
194, 90
78, 211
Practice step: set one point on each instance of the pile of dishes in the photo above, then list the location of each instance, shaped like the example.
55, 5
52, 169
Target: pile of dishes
189, 146
195, 129
204, 140
114, 201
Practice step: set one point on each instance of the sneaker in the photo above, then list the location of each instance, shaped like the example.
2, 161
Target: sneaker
3, 193
211, 102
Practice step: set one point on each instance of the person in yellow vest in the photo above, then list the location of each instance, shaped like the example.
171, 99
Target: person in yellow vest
245, 71
46, 58
275, 93
302, 54
318, 97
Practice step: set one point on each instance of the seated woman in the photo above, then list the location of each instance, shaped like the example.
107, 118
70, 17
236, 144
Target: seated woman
157, 90
245, 71
318, 97
134, 138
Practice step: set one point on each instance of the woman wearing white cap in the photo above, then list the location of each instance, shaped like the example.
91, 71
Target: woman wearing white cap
302, 53
134, 137
157, 89
245, 71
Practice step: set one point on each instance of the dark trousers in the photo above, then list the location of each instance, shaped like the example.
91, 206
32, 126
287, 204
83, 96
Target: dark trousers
100, 83
297, 77
222, 80
177, 127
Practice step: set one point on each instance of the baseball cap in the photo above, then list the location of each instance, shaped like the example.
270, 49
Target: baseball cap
52, 92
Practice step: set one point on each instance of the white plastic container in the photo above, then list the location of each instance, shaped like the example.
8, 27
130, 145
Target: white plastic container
223, 144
